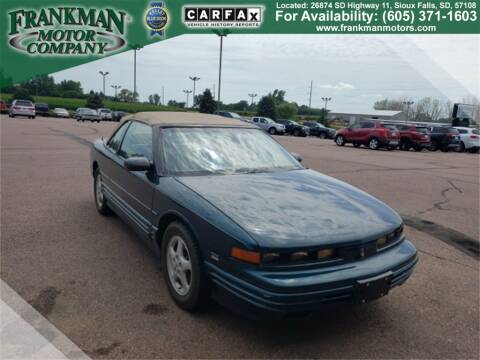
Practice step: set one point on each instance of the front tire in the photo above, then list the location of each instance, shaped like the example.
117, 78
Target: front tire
272, 131
322, 136
340, 140
296, 132
183, 269
100, 200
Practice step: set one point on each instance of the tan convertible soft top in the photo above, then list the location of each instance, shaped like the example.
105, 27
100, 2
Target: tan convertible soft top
170, 118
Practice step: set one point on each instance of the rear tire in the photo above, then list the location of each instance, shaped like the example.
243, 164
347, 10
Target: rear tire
296, 132
340, 140
322, 136
182, 268
461, 148
373, 144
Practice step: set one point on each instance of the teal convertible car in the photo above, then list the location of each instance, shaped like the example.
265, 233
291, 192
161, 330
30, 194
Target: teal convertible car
234, 216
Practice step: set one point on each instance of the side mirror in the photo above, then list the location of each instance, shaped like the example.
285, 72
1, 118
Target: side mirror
297, 156
138, 163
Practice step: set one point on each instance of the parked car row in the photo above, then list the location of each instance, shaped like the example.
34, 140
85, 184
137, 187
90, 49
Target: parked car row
378, 134
102, 114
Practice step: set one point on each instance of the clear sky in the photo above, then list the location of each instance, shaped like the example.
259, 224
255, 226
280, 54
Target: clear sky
355, 70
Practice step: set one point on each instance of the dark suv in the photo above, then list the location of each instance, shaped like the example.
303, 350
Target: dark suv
294, 128
373, 134
444, 138
41, 109
317, 129
413, 137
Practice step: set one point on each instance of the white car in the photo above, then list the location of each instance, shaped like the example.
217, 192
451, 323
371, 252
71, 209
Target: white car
105, 114
22, 108
268, 125
469, 139
61, 112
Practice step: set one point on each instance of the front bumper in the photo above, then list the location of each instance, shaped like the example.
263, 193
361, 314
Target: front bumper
257, 291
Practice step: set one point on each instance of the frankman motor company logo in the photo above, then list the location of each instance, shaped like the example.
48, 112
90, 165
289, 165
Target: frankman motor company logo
156, 18
222, 16
67, 31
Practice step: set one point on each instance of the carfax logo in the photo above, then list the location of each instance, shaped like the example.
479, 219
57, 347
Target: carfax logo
156, 18
67, 31
206, 16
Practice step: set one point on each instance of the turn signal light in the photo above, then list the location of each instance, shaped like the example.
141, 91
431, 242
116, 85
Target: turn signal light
324, 254
251, 257
381, 241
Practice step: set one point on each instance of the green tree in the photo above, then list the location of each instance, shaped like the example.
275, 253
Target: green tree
207, 104
94, 100
21, 93
267, 108
70, 89
278, 96
176, 104
156, 99
287, 110
126, 95
150, 99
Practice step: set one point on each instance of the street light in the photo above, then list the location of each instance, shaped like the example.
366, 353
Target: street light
135, 48
194, 79
221, 34
252, 96
408, 103
104, 74
326, 99
188, 92
116, 87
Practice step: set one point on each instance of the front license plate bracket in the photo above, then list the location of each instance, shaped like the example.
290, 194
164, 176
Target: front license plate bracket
366, 290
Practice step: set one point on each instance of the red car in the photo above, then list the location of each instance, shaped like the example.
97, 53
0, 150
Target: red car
373, 134
3, 106
412, 136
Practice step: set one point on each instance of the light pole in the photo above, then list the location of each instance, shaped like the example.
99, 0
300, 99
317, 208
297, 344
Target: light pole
252, 96
104, 75
116, 87
408, 103
188, 92
326, 99
221, 34
194, 79
135, 48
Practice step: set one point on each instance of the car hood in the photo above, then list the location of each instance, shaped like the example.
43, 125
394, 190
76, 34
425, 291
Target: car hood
297, 208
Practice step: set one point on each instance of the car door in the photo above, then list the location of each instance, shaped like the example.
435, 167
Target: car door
136, 188
354, 132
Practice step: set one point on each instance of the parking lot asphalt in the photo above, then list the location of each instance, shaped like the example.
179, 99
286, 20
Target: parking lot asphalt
94, 280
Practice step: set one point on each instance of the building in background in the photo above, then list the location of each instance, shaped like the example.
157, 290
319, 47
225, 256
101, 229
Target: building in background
349, 118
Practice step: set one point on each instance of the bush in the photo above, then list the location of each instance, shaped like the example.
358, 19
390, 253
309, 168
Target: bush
287, 110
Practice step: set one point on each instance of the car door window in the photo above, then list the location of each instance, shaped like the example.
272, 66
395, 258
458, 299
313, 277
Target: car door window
116, 139
137, 141
356, 126
255, 120
263, 121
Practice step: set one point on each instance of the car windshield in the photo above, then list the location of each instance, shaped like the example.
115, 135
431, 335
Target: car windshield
205, 151
89, 111
235, 115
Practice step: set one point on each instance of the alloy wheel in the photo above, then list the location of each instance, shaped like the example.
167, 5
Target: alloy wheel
373, 144
179, 265
99, 191
340, 141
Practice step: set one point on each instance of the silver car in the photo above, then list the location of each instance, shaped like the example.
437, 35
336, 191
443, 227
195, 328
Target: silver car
105, 114
268, 125
83, 114
22, 108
